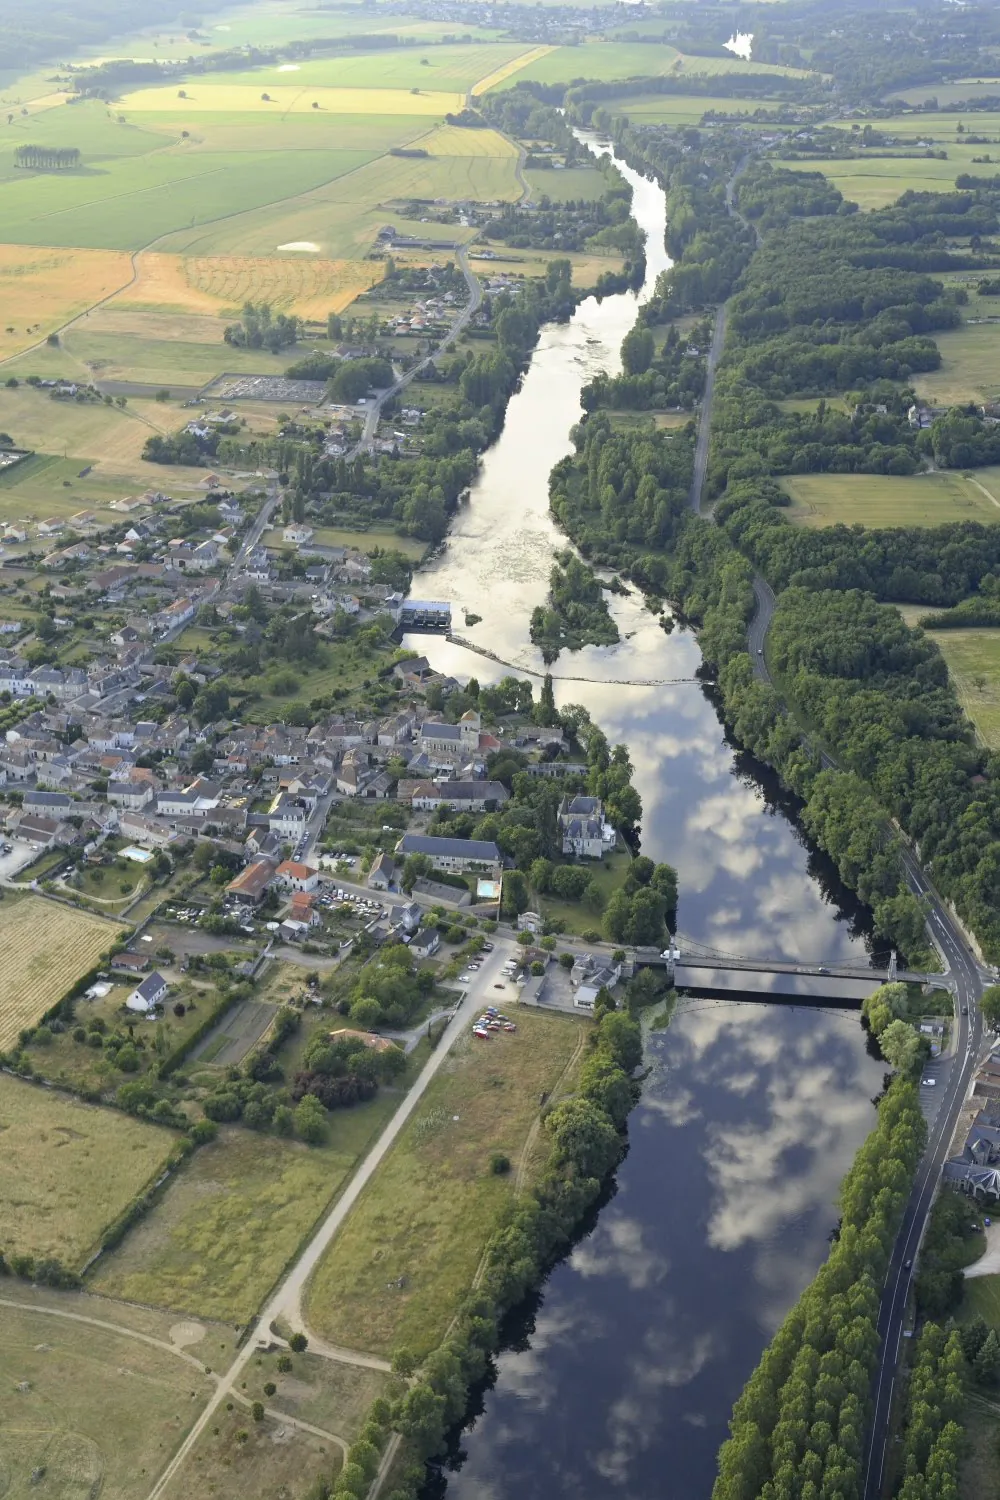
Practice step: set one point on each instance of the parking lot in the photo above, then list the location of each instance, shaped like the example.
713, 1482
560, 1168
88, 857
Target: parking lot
16, 859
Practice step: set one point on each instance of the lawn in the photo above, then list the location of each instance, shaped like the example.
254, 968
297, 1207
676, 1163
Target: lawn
607, 875
68, 1169
880, 500
973, 658
195, 1252
970, 364
428, 1212
981, 1295
364, 541
270, 1461
44, 949
97, 1412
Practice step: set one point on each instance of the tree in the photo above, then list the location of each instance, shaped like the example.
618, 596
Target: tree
298, 1343
986, 1364
514, 899
257, 1411
989, 1004
415, 867
310, 1120
900, 1046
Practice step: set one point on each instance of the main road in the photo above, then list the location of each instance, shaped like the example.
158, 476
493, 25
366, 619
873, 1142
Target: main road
968, 979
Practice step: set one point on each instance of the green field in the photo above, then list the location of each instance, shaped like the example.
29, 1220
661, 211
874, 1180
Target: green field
435, 69
68, 1169
253, 131
599, 60
193, 1252
576, 182
948, 93
677, 109
429, 1210
970, 361
874, 181
973, 658
95, 1411
879, 500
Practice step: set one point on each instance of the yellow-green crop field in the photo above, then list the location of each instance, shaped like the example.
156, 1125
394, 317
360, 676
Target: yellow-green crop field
44, 949
875, 500
68, 1169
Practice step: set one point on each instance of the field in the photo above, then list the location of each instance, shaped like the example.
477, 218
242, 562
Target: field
679, 109
970, 363
68, 1169
879, 500
439, 70
50, 486
874, 181
41, 289
322, 1391
574, 182
365, 541
973, 658
298, 283
979, 1471
100, 1412
44, 949
500, 74
194, 1253
285, 99
429, 1210
949, 93
273, 1461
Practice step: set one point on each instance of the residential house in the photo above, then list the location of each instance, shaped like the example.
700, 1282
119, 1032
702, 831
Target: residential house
133, 795
287, 817
303, 909
128, 962
426, 943
451, 855
472, 796
292, 876
410, 916
148, 995
250, 884
382, 875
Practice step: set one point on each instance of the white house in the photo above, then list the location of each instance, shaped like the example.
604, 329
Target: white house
293, 876
287, 817
148, 995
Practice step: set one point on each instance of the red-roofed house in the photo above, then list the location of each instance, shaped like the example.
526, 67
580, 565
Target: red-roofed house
292, 876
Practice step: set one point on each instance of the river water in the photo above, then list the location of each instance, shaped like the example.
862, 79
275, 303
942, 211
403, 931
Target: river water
620, 1377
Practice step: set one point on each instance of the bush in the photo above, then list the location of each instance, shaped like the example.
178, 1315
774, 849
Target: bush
269, 1388
203, 1131
499, 1164
128, 1059
257, 1411
298, 1343
284, 1364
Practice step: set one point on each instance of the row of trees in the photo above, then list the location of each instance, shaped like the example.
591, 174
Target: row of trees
47, 158
932, 1435
799, 1426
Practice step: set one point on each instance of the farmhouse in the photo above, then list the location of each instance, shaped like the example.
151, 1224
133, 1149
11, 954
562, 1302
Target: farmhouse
148, 995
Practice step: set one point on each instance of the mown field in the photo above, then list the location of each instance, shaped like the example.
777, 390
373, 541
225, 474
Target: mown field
432, 1205
973, 658
438, 69
193, 1252
68, 1169
873, 181
202, 96
43, 288
879, 500
949, 93
94, 1411
679, 109
44, 949
970, 361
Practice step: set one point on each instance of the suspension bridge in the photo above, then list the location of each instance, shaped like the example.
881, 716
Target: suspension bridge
696, 965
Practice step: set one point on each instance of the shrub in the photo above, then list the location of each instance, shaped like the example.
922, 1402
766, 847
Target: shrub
298, 1343
499, 1164
284, 1364
257, 1411
269, 1388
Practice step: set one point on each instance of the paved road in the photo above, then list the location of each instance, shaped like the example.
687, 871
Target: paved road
460, 324
967, 981
285, 1302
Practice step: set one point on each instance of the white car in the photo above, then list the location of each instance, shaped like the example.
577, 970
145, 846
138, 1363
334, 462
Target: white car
928, 1083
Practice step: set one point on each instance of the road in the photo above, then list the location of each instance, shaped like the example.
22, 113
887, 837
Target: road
967, 981
460, 324
285, 1302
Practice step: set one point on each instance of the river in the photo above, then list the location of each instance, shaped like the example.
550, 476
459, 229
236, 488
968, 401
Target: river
621, 1375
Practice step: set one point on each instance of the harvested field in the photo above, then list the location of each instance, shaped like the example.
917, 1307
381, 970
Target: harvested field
285, 99
68, 1169
304, 284
44, 949
42, 288
508, 69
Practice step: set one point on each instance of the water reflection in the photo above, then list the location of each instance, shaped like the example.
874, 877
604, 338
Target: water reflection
724, 1206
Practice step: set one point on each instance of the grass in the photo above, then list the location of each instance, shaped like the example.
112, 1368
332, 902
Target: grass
500, 74
44, 949
321, 1391
970, 365
873, 181
430, 1209
101, 1412
68, 1169
979, 1470
49, 486
679, 109
880, 500
272, 1462
949, 93
193, 1251
572, 182
260, 130
607, 875
981, 1296
973, 658
364, 541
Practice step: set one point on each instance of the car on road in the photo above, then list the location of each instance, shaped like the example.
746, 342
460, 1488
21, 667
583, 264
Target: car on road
499, 986
822, 970
965, 1010
487, 947
907, 1264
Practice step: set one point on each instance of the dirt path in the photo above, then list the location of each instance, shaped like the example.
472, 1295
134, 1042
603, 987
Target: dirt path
536, 1124
985, 491
344, 1356
127, 1333
286, 1301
